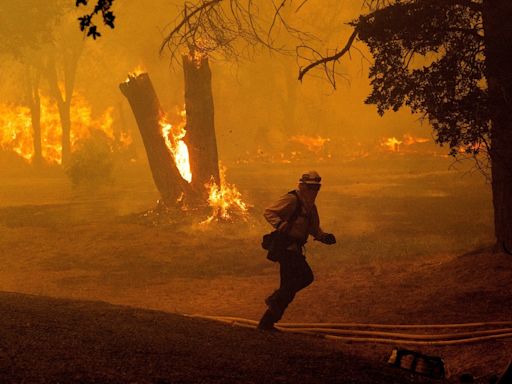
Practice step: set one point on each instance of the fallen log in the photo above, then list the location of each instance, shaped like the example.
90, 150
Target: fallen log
143, 100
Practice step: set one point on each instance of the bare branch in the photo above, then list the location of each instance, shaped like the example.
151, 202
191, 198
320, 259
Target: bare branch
332, 58
186, 20
301, 5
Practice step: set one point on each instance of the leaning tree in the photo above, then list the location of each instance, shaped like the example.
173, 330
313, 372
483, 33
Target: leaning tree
448, 60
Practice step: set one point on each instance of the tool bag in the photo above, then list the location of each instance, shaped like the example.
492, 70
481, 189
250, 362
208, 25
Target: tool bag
276, 242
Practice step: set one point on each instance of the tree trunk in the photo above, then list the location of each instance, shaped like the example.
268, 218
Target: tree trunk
200, 137
498, 45
35, 114
65, 121
64, 105
34, 102
145, 106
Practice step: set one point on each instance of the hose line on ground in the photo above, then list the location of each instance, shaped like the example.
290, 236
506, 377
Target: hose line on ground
346, 332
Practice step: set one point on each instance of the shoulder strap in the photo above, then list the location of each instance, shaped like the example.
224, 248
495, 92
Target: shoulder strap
298, 207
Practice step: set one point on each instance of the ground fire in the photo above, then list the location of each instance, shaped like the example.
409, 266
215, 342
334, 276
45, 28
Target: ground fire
225, 200
406, 144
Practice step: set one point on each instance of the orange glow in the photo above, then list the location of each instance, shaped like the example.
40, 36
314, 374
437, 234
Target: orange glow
471, 148
196, 56
16, 128
173, 136
312, 143
409, 139
225, 200
391, 144
138, 70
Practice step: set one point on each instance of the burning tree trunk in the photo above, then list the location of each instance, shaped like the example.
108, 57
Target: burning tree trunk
200, 138
145, 105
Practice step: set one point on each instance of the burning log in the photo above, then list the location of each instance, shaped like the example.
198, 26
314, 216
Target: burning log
200, 138
143, 100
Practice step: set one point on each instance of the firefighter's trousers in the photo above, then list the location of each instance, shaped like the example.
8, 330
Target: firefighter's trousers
296, 274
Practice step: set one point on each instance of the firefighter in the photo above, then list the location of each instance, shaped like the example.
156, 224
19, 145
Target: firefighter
295, 216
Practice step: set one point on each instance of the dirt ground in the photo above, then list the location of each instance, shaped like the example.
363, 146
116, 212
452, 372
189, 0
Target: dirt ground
406, 231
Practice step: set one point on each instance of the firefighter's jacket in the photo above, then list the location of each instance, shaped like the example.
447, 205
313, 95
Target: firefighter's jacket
307, 222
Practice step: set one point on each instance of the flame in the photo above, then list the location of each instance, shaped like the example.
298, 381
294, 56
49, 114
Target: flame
137, 71
196, 56
471, 148
16, 128
409, 139
173, 136
199, 51
313, 144
225, 200
391, 144
15, 133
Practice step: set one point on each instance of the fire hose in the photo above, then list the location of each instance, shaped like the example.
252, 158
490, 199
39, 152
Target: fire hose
377, 334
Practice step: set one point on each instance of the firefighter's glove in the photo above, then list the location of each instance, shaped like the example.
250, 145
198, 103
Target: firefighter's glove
329, 239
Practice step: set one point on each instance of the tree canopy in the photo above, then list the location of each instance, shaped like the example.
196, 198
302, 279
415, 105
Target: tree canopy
429, 55
86, 21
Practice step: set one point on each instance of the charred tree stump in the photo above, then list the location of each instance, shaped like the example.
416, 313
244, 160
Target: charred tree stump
145, 106
200, 137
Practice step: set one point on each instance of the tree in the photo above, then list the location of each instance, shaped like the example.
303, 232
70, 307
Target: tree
60, 67
448, 60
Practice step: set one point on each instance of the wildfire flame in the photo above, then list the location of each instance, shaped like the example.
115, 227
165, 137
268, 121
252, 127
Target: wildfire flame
139, 70
173, 136
16, 132
197, 56
409, 139
392, 144
225, 200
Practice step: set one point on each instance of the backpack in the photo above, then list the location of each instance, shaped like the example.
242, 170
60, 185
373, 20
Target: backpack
276, 242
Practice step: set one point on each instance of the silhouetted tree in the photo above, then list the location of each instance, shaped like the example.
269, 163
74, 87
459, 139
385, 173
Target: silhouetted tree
61, 64
87, 21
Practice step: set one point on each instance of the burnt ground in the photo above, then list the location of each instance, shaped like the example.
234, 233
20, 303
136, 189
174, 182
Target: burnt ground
405, 254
